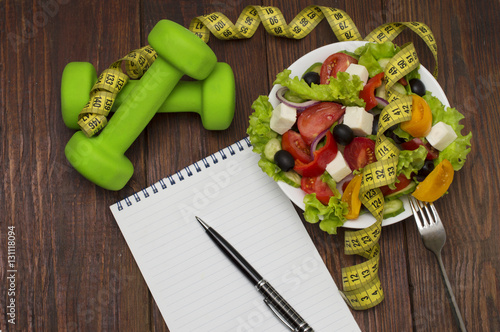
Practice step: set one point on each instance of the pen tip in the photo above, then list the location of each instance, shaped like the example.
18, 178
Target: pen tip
202, 223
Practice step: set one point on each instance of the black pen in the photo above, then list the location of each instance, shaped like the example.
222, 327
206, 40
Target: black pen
274, 301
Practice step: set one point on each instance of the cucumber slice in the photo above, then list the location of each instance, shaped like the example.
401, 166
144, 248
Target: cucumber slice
393, 208
405, 191
316, 67
380, 92
292, 178
273, 146
398, 87
383, 62
290, 96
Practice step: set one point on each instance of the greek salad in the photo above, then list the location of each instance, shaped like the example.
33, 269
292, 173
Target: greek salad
318, 131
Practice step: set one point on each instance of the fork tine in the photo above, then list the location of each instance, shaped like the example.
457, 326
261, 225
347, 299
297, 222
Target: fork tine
436, 218
414, 204
429, 220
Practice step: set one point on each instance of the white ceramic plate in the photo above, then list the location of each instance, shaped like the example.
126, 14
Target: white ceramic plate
296, 195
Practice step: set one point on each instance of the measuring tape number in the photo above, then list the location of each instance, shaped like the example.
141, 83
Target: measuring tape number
110, 82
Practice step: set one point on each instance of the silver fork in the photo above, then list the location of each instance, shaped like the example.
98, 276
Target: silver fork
434, 236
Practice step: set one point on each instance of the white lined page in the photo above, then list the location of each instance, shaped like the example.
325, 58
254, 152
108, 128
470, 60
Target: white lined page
193, 283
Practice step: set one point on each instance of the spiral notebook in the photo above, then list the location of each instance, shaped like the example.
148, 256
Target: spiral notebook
193, 283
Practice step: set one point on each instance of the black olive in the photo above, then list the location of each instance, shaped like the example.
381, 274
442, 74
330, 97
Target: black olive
311, 77
417, 86
428, 167
375, 124
388, 131
284, 160
425, 170
397, 139
420, 177
343, 134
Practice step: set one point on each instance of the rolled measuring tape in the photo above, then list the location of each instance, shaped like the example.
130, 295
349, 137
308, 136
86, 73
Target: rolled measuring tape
93, 116
361, 284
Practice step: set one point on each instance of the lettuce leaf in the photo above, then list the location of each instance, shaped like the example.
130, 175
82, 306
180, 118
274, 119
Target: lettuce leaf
333, 214
410, 162
343, 89
332, 184
259, 128
402, 134
378, 50
259, 132
371, 52
371, 64
457, 151
413, 74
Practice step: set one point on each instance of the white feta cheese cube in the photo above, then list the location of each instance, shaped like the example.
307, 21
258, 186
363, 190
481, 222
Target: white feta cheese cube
361, 71
338, 168
441, 135
283, 118
359, 120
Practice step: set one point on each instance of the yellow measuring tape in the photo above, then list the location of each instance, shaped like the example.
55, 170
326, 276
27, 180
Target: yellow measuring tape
361, 284
273, 21
92, 118
389, 31
301, 25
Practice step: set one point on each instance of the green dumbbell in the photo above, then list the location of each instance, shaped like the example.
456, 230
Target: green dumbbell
213, 98
101, 158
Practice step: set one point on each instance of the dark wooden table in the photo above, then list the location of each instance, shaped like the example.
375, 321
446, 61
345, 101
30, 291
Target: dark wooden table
74, 268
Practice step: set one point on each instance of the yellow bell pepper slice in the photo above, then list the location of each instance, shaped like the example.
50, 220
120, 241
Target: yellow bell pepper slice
436, 183
351, 197
421, 118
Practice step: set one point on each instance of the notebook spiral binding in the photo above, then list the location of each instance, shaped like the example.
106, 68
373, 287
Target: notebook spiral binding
186, 172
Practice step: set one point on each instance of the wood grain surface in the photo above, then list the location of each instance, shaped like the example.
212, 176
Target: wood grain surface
75, 271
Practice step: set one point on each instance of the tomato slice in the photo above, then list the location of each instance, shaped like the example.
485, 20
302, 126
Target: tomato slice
368, 92
292, 142
420, 123
333, 64
360, 152
413, 144
322, 157
403, 182
351, 197
314, 185
345, 184
436, 183
317, 118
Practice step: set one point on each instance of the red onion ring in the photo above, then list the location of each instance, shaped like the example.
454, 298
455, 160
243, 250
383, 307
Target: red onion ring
280, 94
316, 141
382, 102
341, 182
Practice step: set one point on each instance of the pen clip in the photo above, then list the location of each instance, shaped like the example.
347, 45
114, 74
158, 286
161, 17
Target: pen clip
276, 312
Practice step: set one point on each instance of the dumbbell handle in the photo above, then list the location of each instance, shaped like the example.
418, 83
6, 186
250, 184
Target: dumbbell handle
138, 109
186, 97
